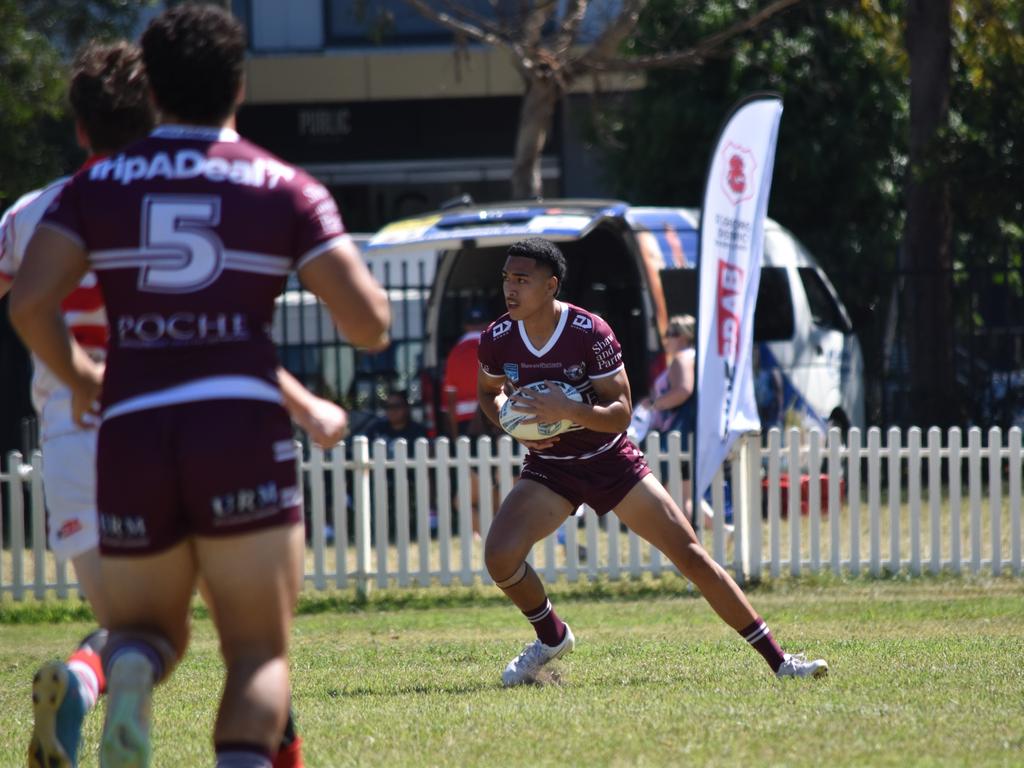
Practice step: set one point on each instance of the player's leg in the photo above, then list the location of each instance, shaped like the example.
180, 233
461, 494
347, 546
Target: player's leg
147, 572
289, 751
652, 514
528, 514
253, 581
64, 692
149, 597
241, 490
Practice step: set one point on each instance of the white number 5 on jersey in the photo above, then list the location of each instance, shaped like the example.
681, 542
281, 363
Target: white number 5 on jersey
183, 252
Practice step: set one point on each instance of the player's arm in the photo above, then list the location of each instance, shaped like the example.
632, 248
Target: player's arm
611, 412
54, 264
490, 393
358, 305
325, 422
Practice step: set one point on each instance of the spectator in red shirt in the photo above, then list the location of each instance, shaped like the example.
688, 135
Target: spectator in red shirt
460, 409
460, 403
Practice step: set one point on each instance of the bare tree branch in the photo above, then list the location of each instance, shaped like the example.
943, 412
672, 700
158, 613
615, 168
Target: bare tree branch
574, 14
550, 66
536, 18
468, 30
605, 47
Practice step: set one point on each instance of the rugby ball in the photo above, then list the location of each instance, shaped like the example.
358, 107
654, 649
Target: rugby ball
512, 419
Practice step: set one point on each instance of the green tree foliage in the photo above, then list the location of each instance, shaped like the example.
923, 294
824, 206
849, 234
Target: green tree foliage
37, 40
841, 168
31, 92
841, 151
986, 144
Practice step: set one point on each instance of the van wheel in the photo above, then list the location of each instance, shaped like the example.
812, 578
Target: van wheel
841, 421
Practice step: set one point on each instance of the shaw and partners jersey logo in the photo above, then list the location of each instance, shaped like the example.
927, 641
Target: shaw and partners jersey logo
511, 371
500, 329
191, 164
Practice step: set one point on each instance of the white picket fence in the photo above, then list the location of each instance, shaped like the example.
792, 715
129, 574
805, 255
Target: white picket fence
902, 504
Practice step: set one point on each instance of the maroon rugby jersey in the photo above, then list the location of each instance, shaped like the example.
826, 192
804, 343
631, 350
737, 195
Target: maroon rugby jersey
581, 349
192, 232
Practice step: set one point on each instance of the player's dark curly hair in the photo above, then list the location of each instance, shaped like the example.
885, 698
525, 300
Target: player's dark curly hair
109, 95
544, 252
195, 58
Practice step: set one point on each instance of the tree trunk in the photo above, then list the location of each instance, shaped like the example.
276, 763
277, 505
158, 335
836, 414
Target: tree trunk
927, 261
535, 117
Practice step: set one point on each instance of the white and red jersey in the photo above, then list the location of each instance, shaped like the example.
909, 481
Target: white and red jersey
582, 348
83, 308
192, 232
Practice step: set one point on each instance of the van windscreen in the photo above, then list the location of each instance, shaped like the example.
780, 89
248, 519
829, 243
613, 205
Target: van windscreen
773, 317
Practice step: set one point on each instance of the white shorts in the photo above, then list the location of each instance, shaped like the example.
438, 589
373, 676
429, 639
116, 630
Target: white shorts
69, 482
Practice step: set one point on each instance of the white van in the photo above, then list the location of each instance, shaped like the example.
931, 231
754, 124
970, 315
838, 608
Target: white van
635, 267
311, 347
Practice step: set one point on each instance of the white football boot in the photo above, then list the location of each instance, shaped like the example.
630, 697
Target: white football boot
524, 667
797, 665
125, 741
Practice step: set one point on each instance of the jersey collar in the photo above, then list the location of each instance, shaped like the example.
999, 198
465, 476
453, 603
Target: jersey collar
562, 319
197, 132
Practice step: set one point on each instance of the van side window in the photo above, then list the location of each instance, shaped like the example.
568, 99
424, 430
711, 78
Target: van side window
824, 310
773, 316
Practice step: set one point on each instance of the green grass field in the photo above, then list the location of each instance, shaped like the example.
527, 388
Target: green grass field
924, 672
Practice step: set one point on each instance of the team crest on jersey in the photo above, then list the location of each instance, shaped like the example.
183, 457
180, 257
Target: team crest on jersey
575, 372
500, 329
582, 322
511, 371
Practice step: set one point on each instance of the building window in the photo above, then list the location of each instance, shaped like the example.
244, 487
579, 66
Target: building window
275, 26
393, 22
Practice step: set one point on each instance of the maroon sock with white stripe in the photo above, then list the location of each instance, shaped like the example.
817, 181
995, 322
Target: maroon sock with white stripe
550, 629
759, 636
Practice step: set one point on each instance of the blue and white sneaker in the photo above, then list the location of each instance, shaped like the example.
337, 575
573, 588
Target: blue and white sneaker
59, 709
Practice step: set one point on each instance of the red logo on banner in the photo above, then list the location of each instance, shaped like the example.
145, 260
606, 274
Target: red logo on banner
738, 173
728, 321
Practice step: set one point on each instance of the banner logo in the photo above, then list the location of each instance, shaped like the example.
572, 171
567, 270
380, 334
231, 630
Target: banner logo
738, 173
729, 306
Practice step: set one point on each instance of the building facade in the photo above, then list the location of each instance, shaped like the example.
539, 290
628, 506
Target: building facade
392, 114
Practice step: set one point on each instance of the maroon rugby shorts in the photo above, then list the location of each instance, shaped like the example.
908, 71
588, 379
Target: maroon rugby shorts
207, 468
601, 481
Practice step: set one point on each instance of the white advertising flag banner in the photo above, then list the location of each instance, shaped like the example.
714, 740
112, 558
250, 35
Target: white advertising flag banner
731, 244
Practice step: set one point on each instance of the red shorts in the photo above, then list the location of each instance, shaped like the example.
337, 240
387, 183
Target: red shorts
601, 481
209, 468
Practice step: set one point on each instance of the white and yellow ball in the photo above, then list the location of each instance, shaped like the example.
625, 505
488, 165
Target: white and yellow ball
512, 419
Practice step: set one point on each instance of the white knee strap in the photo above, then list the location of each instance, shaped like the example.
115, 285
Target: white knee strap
514, 579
